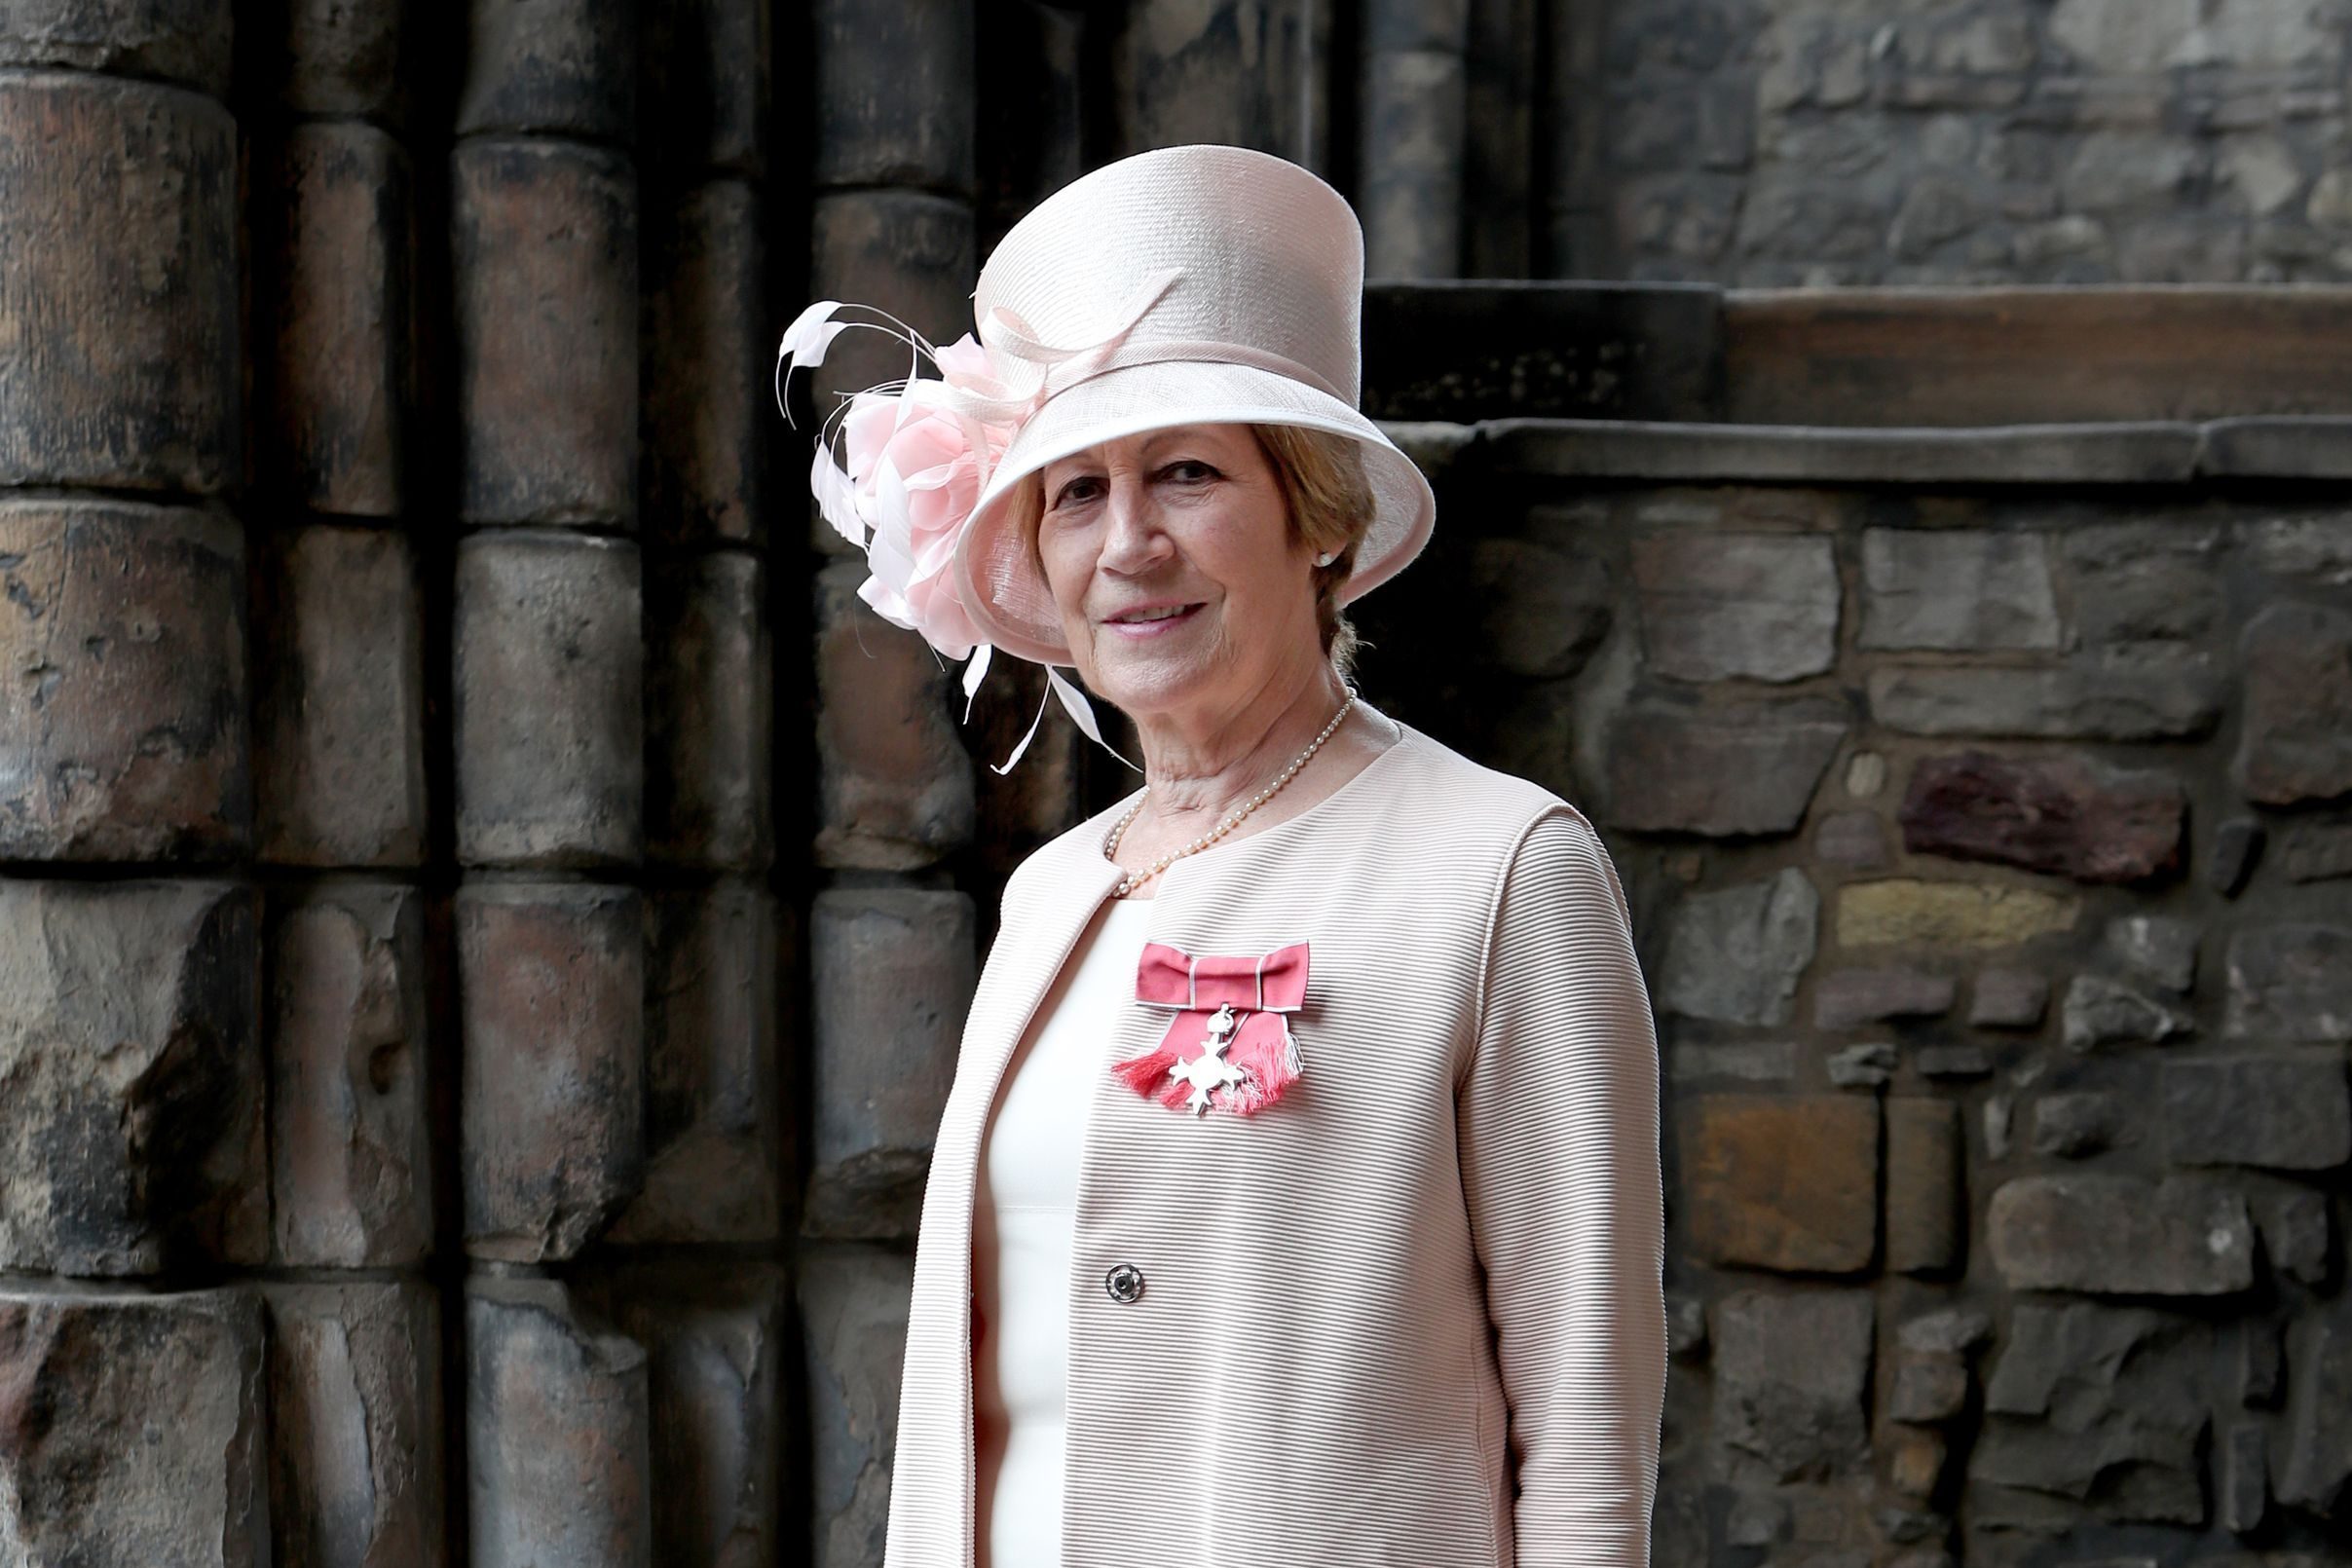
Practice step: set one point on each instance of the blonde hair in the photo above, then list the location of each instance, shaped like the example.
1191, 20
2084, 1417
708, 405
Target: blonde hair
1326, 496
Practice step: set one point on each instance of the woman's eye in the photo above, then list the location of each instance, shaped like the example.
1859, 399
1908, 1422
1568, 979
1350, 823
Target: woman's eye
1076, 493
1189, 469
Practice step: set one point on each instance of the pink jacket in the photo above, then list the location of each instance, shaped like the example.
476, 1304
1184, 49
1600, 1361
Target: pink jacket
1412, 1313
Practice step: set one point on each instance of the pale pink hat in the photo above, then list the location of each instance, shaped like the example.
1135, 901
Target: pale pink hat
1199, 284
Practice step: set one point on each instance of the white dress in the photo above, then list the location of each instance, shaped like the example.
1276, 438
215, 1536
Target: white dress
1024, 1209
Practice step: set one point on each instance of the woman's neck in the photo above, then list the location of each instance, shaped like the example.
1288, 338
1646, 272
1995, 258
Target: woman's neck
1200, 767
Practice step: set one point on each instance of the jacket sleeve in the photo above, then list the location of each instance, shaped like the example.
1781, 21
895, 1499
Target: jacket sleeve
1557, 1124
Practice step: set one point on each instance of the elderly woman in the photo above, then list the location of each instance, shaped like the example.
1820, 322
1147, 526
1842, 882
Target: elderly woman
1298, 1200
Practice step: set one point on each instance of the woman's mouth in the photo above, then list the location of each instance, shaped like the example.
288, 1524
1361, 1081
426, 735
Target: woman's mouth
1151, 621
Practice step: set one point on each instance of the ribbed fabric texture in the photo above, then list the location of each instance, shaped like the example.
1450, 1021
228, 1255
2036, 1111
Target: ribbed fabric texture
1411, 1315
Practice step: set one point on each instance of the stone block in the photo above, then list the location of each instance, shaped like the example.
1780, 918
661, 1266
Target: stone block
709, 713
906, 251
134, 1430
2295, 741
2156, 580
2297, 1234
713, 1336
1737, 954
1948, 914
1543, 612
339, 700
1716, 771
1867, 1065
707, 64
853, 1316
2097, 1407
895, 94
2287, 1112
2237, 844
1930, 1388
1944, 1331
2290, 980
346, 61
1915, 1463
2105, 1233
1250, 72
1412, 135
2317, 1475
2100, 1012
356, 1475
2316, 852
2161, 948
1748, 1061
183, 40
122, 729
339, 306
2243, 1488
350, 1119
2064, 813
712, 1138
893, 974
1926, 1193
545, 257
1845, 997
131, 1051
119, 262
1720, 606
2167, 697
549, 701
557, 1435
708, 413
2072, 1125
551, 988
2008, 999
1783, 1181
1856, 839
1789, 1372
559, 67
894, 784
1960, 590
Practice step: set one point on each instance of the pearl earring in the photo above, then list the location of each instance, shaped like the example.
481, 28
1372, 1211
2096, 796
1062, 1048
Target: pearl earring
1327, 558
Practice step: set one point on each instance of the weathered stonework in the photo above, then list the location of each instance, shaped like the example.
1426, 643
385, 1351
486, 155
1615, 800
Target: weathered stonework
2062, 814
2120, 1235
1782, 1183
130, 1045
894, 788
1735, 953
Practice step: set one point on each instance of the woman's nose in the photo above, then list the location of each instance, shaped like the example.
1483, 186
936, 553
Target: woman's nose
1133, 541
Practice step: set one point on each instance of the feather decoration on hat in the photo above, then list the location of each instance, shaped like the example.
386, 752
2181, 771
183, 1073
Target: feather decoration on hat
914, 456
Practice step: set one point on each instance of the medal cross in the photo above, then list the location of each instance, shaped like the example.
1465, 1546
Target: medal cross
1210, 1069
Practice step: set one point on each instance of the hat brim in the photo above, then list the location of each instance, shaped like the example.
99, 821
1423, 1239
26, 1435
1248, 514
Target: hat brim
995, 574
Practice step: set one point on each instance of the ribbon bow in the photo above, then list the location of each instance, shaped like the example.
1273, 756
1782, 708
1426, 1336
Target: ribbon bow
1229, 1045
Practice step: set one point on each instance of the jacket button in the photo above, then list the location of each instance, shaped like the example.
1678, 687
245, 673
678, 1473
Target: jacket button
1124, 1282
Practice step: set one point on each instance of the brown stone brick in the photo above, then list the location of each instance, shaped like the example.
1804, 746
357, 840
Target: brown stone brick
1783, 1182
118, 282
339, 308
2101, 1233
1924, 1208
709, 411
351, 1141
709, 713
1721, 772
339, 699
853, 1316
133, 1137
558, 1438
134, 1430
185, 40
895, 98
2066, 814
551, 982
549, 700
714, 1338
356, 1425
545, 237
712, 1167
567, 67
2295, 741
1915, 1462
894, 785
340, 58
123, 719
893, 971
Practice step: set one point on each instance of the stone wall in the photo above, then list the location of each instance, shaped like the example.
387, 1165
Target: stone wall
1986, 834
486, 915
1948, 141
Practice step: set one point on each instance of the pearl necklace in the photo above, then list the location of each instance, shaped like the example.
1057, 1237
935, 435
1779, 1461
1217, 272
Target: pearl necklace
1136, 878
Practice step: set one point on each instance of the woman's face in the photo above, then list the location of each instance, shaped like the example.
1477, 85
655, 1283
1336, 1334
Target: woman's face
1171, 558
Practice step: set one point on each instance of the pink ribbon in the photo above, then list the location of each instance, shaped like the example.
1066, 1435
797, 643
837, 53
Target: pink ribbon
1247, 998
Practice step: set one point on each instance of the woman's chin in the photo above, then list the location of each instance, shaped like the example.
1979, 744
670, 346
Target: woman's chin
1139, 681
